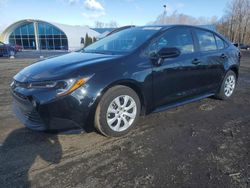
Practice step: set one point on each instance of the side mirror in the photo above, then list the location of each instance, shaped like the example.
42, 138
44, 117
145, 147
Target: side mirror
165, 53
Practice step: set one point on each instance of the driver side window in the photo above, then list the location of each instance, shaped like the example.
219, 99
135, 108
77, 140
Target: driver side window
180, 38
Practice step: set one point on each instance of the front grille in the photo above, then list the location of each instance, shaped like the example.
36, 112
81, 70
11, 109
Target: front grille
20, 95
20, 84
33, 116
28, 115
24, 109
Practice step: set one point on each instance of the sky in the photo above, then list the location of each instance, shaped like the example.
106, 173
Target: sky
87, 12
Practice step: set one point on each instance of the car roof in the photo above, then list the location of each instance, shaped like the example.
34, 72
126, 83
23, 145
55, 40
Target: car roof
202, 27
163, 27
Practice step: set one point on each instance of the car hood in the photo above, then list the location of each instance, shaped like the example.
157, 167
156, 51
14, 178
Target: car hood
62, 67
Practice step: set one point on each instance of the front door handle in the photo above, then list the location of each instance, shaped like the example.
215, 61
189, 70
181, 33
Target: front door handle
223, 56
196, 61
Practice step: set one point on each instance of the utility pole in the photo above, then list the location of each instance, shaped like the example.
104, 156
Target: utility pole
164, 13
165, 9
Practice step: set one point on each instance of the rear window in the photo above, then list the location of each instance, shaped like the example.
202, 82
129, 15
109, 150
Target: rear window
206, 40
220, 43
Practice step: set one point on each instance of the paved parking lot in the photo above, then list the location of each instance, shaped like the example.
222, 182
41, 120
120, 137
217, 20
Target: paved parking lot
203, 144
34, 54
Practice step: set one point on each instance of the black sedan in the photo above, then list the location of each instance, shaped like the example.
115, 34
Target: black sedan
134, 72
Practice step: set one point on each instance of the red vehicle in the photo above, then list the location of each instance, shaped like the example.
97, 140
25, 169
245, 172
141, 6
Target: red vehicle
8, 49
17, 47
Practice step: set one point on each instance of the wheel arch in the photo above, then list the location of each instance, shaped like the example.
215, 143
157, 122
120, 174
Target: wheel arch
132, 84
235, 69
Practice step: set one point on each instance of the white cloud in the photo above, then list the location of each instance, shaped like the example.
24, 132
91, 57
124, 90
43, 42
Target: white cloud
93, 5
70, 2
93, 9
73, 1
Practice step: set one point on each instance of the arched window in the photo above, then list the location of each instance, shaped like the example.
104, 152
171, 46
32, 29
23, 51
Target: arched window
24, 36
49, 37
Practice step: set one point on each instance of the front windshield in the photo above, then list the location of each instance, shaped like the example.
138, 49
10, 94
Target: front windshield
122, 42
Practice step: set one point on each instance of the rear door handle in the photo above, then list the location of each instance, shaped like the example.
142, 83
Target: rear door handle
223, 56
196, 61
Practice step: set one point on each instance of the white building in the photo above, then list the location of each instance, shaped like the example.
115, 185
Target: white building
41, 35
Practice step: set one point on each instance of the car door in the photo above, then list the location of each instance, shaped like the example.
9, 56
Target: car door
179, 78
213, 56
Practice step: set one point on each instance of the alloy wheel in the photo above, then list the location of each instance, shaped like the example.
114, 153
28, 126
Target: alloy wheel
121, 113
229, 85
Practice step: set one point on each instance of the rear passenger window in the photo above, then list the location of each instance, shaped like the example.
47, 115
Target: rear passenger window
220, 43
180, 38
206, 40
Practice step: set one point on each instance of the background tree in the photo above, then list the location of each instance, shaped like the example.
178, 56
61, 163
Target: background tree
179, 18
88, 40
99, 24
235, 22
111, 24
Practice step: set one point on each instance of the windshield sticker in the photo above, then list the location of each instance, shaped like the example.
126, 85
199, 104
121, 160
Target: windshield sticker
151, 28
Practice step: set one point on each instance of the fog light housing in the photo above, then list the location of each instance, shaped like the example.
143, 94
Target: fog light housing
34, 103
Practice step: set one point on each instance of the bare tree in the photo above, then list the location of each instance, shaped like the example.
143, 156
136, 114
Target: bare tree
99, 24
235, 22
111, 24
176, 18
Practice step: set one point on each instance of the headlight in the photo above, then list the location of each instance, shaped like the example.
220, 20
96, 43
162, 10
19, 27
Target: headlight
40, 85
63, 87
66, 87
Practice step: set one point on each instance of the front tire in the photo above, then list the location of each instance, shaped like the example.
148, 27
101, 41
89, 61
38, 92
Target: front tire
117, 112
228, 86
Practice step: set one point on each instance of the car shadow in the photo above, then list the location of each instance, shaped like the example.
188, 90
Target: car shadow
19, 151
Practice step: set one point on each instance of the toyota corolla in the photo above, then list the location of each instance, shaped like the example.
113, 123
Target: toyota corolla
134, 72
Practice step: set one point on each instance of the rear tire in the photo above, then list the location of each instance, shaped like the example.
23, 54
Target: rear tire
117, 112
228, 86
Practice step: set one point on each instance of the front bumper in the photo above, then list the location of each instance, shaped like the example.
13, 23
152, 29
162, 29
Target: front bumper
28, 116
66, 113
